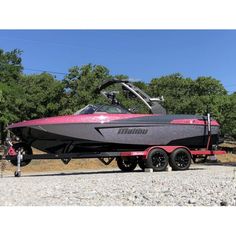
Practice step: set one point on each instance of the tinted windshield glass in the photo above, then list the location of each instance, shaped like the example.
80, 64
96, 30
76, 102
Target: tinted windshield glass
112, 109
89, 109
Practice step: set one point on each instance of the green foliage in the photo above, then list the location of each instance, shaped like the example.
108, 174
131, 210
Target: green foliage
229, 116
10, 66
10, 71
32, 97
207, 86
10, 100
175, 90
80, 84
184, 95
42, 96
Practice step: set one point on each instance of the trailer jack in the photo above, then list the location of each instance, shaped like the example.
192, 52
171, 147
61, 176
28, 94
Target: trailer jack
19, 158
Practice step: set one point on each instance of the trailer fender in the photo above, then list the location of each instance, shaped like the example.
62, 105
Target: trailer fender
167, 149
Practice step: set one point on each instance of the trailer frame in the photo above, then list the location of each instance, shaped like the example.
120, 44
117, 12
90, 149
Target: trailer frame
106, 157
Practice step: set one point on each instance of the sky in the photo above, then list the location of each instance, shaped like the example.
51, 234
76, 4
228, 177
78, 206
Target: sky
140, 54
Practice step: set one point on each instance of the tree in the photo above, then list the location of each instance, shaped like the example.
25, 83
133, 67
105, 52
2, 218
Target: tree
208, 86
207, 94
10, 99
10, 66
176, 90
41, 96
80, 84
184, 95
229, 113
10, 71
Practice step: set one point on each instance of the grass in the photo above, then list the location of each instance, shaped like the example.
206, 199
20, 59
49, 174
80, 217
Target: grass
58, 165
227, 158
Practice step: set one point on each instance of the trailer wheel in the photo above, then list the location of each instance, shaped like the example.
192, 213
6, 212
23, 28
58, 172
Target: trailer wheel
180, 159
25, 149
157, 159
142, 163
127, 164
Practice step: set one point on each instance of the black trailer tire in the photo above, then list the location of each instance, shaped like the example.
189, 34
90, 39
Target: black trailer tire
127, 164
180, 159
157, 159
26, 150
142, 163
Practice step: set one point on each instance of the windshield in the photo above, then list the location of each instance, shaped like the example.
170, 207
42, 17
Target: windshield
89, 109
110, 109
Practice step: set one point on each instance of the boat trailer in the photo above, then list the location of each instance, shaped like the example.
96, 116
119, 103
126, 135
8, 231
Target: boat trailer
155, 158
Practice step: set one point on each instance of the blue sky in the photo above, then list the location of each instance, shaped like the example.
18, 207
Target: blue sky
140, 54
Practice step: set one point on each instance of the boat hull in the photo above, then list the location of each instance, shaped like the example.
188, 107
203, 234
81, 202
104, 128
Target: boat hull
117, 134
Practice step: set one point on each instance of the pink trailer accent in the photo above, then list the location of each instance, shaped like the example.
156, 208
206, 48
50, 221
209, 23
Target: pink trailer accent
208, 152
135, 153
11, 151
170, 149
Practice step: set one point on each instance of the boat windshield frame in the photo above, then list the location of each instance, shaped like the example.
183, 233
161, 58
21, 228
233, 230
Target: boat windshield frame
105, 108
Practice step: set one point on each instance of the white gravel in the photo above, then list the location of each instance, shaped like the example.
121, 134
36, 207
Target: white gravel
200, 186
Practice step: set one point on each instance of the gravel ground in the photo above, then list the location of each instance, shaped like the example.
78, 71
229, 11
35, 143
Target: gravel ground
202, 185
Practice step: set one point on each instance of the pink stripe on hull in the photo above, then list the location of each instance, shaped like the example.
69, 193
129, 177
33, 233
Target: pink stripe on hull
193, 122
100, 118
85, 118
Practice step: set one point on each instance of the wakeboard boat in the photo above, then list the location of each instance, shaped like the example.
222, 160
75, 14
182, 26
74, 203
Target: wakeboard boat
114, 128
